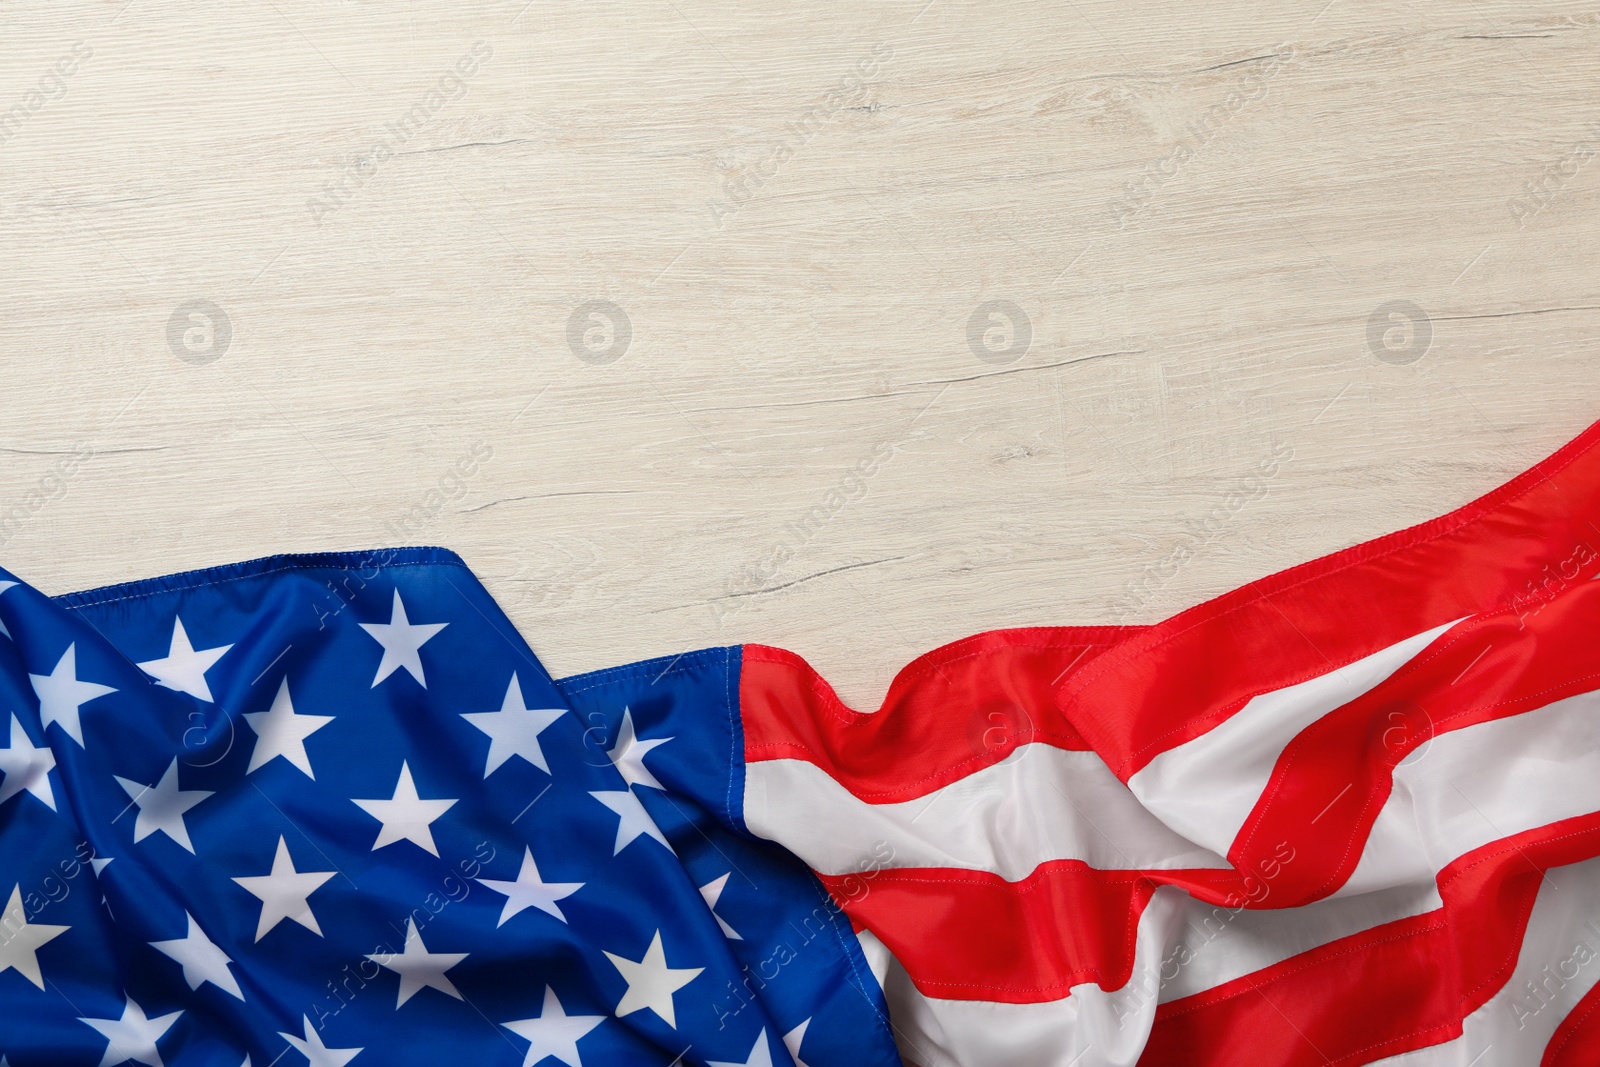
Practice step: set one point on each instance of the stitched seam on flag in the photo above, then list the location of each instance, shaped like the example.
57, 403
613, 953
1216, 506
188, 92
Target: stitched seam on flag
1434, 650
789, 659
1572, 1024
202, 577
1437, 648
1356, 560
1227, 710
1486, 857
1030, 885
1372, 798
853, 959
1452, 1029
1031, 881
213, 582
612, 675
1130, 936
845, 716
851, 949
848, 716
1424, 534
930, 662
1377, 796
1040, 737
735, 740
1255, 985
1507, 962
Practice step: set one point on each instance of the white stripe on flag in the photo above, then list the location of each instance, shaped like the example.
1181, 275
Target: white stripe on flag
1207, 787
1515, 1025
1040, 803
1482, 783
1221, 944
1088, 1028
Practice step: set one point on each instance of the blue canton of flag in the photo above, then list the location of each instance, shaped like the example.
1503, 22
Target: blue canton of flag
331, 810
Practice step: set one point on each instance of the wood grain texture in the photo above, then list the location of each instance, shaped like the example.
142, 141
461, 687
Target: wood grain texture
1198, 209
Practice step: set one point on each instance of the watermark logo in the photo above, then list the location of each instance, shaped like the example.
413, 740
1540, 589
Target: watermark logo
1141, 994
1201, 532
1549, 985
1553, 580
824, 922
449, 487
743, 182
51, 486
1407, 733
999, 332
449, 88
762, 576
1553, 180
998, 726
199, 332
51, 87
202, 738
599, 332
1399, 332
1253, 85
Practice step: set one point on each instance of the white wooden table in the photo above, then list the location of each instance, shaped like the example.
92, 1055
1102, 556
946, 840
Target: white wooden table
940, 315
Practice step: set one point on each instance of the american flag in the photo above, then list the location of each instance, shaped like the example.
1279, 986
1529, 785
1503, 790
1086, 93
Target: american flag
329, 809
1347, 814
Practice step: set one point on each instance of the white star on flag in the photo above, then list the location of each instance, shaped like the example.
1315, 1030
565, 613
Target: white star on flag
405, 816
26, 767
792, 1041
20, 939
760, 1055
61, 694
282, 731
183, 668
201, 959
401, 639
530, 891
4, 586
554, 1032
132, 1037
420, 969
99, 865
628, 754
514, 730
712, 892
162, 806
284, 892
651, 982
633, 820
311, 1047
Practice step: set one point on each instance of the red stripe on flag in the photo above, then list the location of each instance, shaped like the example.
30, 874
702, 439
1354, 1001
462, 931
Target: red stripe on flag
971, 935
1181, 678
949, 713
1396, 987
1479, 671
1576, 1042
